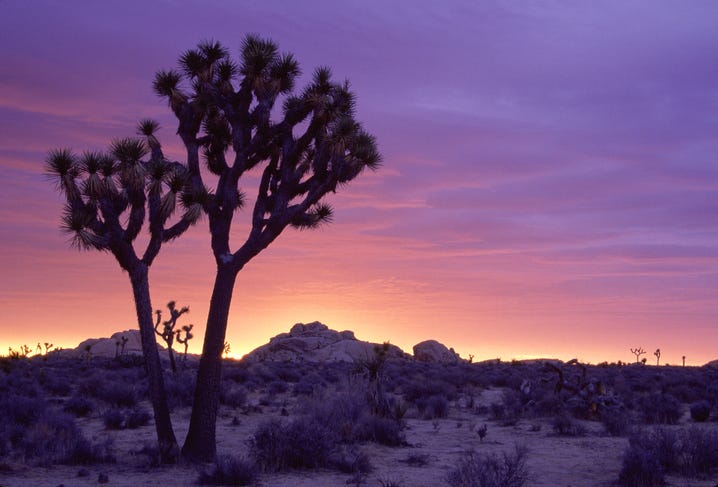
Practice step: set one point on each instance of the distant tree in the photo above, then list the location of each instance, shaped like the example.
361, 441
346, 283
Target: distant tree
657, 353
684, 361
168, 328
109, 196
224, 113
638, 352
184, 340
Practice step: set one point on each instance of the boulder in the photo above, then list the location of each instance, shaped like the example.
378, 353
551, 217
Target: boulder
435, 352
106, 347
316, 342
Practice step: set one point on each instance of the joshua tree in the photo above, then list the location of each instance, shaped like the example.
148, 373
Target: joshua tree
187, 329
109, 198
684, 361
638, 352
48, 347
168, 332
224, 113
657, 353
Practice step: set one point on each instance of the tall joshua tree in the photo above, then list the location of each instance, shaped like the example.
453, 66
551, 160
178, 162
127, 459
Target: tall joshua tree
109, 198
316, 145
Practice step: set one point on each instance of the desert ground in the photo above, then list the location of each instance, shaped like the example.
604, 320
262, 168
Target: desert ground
576, 424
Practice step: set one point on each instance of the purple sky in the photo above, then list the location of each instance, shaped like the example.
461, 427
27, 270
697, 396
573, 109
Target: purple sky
549, 187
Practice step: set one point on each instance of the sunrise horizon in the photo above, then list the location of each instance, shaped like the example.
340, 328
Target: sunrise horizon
548, 186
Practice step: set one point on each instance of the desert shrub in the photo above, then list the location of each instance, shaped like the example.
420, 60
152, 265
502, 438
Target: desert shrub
229, 470
180, 388
641, 468
21, 410
309, 384
384, 431
700, 411
350, 460
477, 470
509, 410
698, 452
565, 425
57, 385
432, 407
288, 374
114, 419
234, 396
80, 406
119, 394
341, 413
55, 438
654, 452
659, 408
277, 387
303, 443
616, 420
420, 388
137, 417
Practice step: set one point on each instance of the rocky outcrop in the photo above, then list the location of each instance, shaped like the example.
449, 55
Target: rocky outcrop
434, 352
107, 347
315, 342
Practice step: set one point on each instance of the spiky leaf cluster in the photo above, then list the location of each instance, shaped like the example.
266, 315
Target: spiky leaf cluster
109, 195
225, 113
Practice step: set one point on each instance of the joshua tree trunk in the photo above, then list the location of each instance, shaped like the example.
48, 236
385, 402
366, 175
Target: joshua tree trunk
200, 445
169, 450
172, 357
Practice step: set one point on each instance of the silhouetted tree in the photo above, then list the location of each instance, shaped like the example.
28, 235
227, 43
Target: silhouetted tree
657, 353
187, 329
638, 352
168, 332
109, 198
224, 118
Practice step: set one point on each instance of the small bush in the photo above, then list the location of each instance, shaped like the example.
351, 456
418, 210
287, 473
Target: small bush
700, 411
476, 470
114, 419
659, 409
229, 470
384, 431
301, 443
565, 425
277, 387
22, 410
80, 406
57, 439
509, 410
616, 420
641, 468
234, 397
351, 460
137, 417
433, 407
118, 394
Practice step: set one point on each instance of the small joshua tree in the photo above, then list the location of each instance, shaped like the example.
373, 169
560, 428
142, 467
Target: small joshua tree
226, 349
684, 361
48, 347
638, 352
657, 353
187, 329
168, 333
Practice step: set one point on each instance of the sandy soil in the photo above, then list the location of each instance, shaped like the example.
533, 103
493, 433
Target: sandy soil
591, 460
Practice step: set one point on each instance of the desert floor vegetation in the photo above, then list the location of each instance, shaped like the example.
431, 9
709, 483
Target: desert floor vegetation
82, 421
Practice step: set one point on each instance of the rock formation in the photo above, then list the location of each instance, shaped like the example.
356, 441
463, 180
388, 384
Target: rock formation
107, 347
315, 342
434, 352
